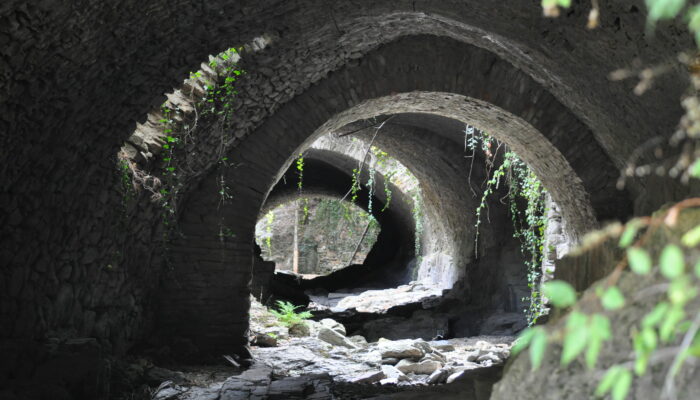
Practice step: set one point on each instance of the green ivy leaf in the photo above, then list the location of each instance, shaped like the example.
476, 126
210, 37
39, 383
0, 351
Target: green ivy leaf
649, 338
594, 346
537, 348
600, 327
697, 269
671, 261
608, 380
692, 237
576, 337
681, 290
656, 315
613, 299
663, 9
523, 341
630, 232
639, 260
695, 168
622, 385
694, 349
599, 331
672, 318
641, 362
560, 293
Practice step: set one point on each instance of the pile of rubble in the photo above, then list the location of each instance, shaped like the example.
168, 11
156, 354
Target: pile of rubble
311, 358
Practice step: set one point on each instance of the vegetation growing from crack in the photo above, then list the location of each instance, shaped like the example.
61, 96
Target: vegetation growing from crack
217, 105
529, 221
287, 314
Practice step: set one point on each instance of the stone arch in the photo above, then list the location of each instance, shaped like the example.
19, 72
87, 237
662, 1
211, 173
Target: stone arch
430, 75
329, 174
67, 115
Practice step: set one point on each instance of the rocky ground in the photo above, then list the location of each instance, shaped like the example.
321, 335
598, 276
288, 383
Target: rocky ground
316, 360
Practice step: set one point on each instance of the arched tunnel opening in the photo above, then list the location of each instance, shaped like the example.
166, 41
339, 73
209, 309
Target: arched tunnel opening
450, 267
354, 201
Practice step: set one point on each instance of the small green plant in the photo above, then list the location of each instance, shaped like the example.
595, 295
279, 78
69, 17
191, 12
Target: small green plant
287, 315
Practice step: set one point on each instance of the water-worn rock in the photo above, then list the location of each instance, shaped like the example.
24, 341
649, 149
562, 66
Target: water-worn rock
300, 329
264, 340
438, 376
369, 377
435, 356
422, 368
455, 376
358, 340
393, 373
400, 349
333, 337
334, 325
442, 345
489, 357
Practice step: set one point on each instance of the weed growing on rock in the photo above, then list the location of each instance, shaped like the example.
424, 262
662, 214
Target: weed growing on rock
287, 315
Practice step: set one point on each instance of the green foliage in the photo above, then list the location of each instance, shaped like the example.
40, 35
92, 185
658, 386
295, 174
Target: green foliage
269, 220
663, 9
287, 315
538, 346
671, 262
387, 189
300, 171
639, 260
536, 339
127, 187
584, 334
559, 293
529, 223
660, 10
692, 237
551, 7
576, 337
612, 298
617, 381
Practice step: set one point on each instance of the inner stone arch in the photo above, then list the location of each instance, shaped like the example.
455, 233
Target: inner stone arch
567, 188
536, 150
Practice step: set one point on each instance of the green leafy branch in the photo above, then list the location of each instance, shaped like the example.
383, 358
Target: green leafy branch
586, 333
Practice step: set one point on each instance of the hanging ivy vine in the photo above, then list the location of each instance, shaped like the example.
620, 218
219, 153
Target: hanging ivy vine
526, 204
